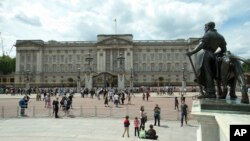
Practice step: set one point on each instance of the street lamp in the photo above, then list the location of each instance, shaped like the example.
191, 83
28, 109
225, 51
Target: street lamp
89, 59
27, 79
121, 58
183, 81
88, 77
131, 79
121, 78
78, 80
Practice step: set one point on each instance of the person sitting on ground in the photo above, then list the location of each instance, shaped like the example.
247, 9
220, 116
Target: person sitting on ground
151, 133
142, 133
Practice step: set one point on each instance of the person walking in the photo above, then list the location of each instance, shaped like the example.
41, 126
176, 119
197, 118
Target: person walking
184, 109
136, 125
56, 107
157, 112
126, 126
147, 94
176, 103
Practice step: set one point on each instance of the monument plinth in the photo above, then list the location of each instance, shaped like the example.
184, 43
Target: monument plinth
225, 106
215, 117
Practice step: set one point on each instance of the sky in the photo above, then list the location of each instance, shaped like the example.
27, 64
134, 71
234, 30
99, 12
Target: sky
83, 20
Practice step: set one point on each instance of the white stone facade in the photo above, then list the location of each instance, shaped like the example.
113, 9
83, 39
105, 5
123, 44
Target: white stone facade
57, 63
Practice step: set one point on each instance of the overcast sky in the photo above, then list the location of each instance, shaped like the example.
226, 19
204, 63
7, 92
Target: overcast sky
83, 20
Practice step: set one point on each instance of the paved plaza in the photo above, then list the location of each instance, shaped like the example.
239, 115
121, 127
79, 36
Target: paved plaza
88, 107
91, 128
87, 129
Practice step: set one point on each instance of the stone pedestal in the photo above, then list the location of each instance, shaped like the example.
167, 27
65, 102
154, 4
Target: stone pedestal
216, 116
89, 81
27, 85
78, 86
121, 81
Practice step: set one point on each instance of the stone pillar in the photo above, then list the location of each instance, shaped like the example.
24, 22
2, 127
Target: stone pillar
101, 61
89, 80
18, 73
121, 81
18, 58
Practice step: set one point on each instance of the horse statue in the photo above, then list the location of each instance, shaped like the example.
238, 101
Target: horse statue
231, 72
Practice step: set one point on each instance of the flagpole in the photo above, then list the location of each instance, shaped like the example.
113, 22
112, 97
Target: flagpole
115, 26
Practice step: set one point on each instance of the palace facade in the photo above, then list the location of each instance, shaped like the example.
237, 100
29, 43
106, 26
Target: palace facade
143, 62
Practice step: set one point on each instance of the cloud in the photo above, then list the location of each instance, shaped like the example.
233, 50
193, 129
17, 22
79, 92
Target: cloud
146, 20
34, 21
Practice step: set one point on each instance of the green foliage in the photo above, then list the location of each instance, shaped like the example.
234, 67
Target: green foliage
161, 83
7, 64
246, 67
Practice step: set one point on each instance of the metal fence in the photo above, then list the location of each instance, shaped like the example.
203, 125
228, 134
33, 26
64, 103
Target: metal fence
100, 112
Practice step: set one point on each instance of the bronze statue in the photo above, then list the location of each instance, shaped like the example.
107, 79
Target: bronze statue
214, 63
231, 72
206, 67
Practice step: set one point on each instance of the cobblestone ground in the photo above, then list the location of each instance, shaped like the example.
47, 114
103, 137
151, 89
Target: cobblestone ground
88, 107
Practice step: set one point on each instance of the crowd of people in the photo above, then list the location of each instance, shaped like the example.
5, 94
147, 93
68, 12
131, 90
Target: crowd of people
64, 100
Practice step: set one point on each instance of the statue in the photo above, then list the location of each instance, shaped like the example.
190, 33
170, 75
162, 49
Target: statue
231, 72
215, 63
206, 67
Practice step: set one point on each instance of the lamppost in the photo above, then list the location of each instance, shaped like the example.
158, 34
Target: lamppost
121, 58
89, 59
183, 81
131, 79
27, 79
78, 81
88, 77
121, 80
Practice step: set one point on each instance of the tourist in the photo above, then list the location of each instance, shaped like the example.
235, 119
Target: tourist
136, 125
23, 105
129, 98
56, 107
157, 112
147, 94
116, 99
142, 133
184, 109
106, 99
176, 104
143, 117
151, 133
122, 97
126, 126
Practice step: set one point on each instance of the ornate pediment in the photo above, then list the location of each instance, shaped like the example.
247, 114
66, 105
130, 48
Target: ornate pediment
114, 41
28, 43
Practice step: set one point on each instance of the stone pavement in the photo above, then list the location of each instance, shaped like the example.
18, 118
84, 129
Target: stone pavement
87, 129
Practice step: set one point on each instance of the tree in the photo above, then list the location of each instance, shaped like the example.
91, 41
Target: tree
246, 66
70, 82
160, 79
7, 64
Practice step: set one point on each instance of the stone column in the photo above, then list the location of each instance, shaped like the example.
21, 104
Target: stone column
101, 61
18, 73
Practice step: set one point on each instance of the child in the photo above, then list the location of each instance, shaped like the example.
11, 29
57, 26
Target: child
126, 126
142, 134
136, 125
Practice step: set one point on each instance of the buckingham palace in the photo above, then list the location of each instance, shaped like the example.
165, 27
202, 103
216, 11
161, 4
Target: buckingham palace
112, 61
